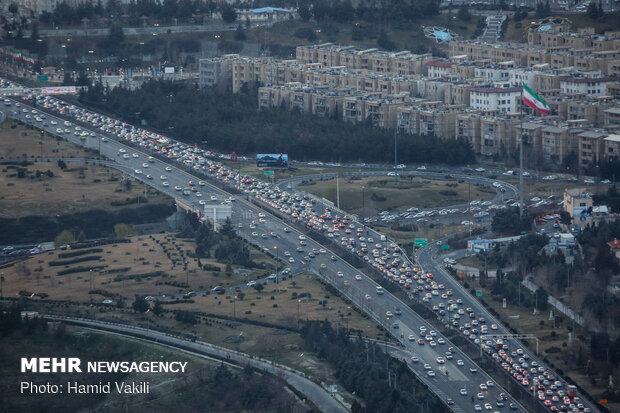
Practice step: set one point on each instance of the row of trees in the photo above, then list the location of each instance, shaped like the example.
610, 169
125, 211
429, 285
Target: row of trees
368, 10
70, 13
230, 122
382, 383
94, 223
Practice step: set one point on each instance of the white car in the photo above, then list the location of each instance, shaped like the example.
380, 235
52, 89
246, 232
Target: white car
358, 277
165, 183
135, 155
251, 283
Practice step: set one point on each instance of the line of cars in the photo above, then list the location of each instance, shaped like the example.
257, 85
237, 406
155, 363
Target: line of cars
382, 254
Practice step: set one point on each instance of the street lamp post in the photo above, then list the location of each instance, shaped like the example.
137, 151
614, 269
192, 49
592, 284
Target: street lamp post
234, 306
298, 302
275, 247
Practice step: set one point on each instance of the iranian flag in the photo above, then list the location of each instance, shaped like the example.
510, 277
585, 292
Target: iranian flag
531, 99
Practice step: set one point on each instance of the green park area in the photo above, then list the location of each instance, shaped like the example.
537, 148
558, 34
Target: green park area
368, 196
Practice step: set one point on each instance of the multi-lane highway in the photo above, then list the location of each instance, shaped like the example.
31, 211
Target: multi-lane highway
450, 379
453, 376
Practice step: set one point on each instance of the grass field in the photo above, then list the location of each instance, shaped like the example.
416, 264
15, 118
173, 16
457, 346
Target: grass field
381, 194
122, 263
279, 304
79, 187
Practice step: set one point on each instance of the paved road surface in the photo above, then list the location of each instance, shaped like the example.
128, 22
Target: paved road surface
315, 393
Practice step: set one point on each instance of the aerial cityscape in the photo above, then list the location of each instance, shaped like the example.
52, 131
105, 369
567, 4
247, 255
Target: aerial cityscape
309, 206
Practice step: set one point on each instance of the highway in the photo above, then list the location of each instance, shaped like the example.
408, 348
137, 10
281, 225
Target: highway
317, 395
362, 292
446, 386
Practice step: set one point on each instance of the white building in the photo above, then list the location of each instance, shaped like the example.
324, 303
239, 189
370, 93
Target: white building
593, 86
490, 98
492, 74
518, 76
438, 69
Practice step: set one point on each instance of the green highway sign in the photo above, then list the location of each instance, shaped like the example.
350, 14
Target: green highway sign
420, 242
478, 293
445, 247
268, 172
42, 79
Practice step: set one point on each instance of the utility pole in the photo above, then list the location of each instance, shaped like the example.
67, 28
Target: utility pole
395, 156
337, 191
521, 156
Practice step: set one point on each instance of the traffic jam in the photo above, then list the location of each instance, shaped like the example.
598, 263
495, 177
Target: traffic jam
344, 230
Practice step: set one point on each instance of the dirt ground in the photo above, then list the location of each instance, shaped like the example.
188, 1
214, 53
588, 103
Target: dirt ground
300, 298
121, 264
79, 187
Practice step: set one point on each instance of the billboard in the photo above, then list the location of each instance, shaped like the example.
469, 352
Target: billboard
59, 90
272, 160
169, 70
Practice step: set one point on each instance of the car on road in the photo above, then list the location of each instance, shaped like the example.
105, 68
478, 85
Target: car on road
463, 392
272, 277
358, 277
415, 359
251, 283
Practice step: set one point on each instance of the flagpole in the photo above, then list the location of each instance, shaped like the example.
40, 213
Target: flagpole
521, 155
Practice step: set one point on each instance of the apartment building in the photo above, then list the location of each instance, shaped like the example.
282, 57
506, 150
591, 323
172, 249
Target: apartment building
503, 100
586, 86
585, 59
328, 54
612, 118
467, 127
437, 121
576, 201
591, 147
438, 69
558, 142
611, 147
216, 70
497, 136
380, 110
